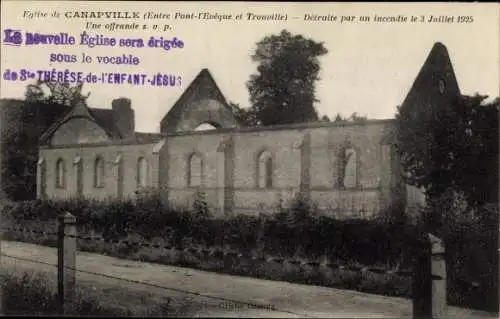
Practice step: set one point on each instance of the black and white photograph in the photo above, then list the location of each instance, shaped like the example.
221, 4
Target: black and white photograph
249, 159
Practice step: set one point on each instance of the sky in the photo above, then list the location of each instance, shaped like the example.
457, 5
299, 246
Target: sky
369, 68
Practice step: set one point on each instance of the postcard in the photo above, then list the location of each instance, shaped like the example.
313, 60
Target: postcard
222, 149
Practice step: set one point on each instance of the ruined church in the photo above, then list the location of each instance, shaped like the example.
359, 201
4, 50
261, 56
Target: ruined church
346, 169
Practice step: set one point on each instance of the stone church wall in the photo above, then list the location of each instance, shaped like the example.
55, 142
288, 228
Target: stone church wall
305, 158
120, 170
310, 164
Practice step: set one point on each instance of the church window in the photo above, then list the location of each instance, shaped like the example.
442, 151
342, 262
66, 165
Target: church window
205, 127
142, 172
99, 172
442, 86
350, 168
265, 170
60, 173
195, 170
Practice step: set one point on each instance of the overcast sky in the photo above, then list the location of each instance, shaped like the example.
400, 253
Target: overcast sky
369, 67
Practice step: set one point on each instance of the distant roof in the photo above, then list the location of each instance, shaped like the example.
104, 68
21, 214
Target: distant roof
49, 113
105, 119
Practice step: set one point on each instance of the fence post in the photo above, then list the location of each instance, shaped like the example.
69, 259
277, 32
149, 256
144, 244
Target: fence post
66, 261
1, 264
429, 279
438, 273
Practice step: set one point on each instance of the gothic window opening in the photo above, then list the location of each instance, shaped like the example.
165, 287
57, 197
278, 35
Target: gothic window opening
442, 86
99, 172
142, 172
205, 127
265, 170
195, 170
78, 173
60, 173
350, 169
42, 179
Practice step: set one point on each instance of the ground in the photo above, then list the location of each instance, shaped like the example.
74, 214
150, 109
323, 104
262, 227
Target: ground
218, 295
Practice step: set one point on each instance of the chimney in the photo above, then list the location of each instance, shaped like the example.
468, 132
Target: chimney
123, 114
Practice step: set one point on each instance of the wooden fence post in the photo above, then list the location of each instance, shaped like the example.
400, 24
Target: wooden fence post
1, 264
438, 274
429, 279
66, 261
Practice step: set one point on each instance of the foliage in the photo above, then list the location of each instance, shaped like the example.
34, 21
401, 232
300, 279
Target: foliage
20, 138
283, 90
354, 117
453, 146
59, 92
295, 233
246, 115
297, 230
20, 141
325, 118
200, 205
34, 294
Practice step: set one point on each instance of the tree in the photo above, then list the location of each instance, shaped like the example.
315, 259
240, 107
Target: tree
20, 138
355, 118
59, 92
338, 118
20, 142
245, 115
325, 118
283, 90
453, 147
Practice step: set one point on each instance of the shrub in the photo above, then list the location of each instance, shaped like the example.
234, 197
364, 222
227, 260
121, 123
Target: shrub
34, 294
294, 233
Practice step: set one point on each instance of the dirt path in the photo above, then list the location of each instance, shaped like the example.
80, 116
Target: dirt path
291, 300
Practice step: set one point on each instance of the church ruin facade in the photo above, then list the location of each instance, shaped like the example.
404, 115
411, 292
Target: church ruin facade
346, 169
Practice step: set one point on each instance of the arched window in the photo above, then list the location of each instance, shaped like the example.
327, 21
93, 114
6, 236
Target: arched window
142, 172
195, 170
265, 170
60, 173
350, 168
99, 172
205, 127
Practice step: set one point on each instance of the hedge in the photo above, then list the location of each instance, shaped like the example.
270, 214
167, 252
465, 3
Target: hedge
288, 234
296, 233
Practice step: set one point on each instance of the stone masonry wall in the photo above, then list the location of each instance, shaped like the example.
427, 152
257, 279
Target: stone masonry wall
303, 159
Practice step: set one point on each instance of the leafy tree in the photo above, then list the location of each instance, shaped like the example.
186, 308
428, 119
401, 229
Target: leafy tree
353, 118
453, 147
338, 118
59, 92
325, 118
20, 142
245, 115
283, 90
28, 120
357, 118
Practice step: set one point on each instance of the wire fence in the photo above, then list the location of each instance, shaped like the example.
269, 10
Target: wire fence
152, 285
428, 298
